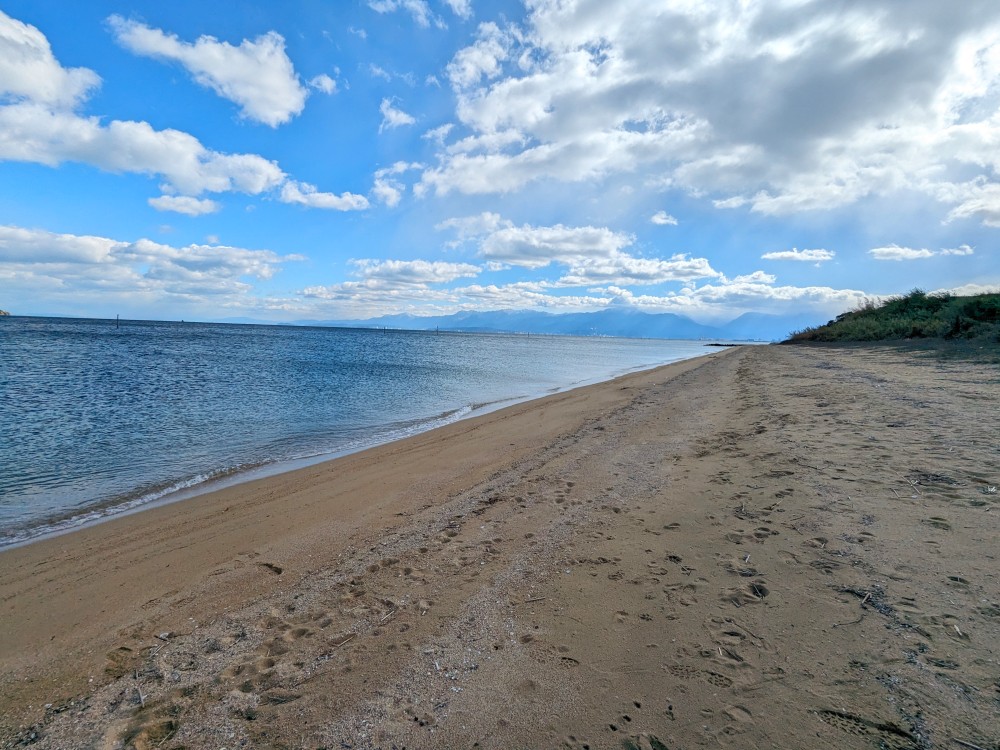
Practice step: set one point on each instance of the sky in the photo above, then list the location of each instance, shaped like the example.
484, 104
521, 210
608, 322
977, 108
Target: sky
317, 160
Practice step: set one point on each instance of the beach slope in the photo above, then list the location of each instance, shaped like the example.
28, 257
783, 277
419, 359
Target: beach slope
767, 547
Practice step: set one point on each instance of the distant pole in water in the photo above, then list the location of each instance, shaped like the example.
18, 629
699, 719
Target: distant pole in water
116, 321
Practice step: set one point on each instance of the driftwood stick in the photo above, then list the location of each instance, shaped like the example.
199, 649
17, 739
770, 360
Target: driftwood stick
963, 743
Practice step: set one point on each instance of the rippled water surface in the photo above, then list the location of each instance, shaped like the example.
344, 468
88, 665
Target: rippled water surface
96, 419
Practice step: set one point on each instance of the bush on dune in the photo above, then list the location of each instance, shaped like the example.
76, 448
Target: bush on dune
916, 315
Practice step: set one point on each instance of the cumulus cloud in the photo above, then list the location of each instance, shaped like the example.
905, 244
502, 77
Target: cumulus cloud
304, 194
662, 218
392, 117
388, 188
717, 301
467, 227
483, 59
32, 132
970, 290
590, 255
184, 204
535, 247
80, 266
622, 268
805, 256
895, 252
978, 199
394, 286
857, 102
409, 272
323, 83
257, 75
30, 72
39, 124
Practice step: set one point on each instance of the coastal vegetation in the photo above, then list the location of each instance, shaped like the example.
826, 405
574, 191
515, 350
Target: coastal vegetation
914, 316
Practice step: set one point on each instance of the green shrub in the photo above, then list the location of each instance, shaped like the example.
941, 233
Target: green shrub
916, 315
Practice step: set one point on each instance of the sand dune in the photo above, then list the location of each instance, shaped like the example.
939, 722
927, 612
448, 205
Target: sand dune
769, 547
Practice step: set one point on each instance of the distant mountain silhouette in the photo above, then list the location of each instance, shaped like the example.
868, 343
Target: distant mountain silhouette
612, 322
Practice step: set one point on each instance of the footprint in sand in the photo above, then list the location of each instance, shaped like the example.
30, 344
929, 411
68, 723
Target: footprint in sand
751, 592
687, 672
682, 593
937, 522
887, 735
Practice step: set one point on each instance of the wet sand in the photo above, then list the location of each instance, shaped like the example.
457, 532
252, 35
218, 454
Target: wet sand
766, 547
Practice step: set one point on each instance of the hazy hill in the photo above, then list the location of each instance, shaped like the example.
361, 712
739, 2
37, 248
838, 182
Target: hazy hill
611, 322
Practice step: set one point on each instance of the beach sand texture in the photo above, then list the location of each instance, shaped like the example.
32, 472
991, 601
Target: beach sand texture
769, 547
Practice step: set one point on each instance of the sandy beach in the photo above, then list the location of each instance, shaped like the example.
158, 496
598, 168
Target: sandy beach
766, 547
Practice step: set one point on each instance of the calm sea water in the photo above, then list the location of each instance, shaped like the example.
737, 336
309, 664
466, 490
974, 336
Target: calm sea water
96, 420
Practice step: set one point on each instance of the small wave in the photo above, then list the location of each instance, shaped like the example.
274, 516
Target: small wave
113, 507
208, 481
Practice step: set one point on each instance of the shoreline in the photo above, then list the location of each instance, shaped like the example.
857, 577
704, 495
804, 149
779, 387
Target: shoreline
767, 547
207, 511
192, 487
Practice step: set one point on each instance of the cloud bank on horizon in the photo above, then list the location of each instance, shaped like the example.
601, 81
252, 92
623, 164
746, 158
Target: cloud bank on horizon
429, 157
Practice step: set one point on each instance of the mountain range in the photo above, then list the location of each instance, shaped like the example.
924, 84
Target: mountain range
613, 322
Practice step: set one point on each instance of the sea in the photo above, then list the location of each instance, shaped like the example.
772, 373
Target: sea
103, 417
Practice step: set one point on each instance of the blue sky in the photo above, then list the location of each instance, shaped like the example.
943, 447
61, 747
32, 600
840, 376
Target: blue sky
318, 160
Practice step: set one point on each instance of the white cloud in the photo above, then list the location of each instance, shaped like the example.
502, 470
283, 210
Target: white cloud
410, 272
806, 256
591, 255
43, 130
662, 218
483, 59
378, 71
439, 133
468, 227
960, 250
623, 269
535, 247
358, 32
978, 199
30, 72
323, 83
388, 286
72, 267
419, 9
304, 194
971, 290
184, 204
31, 132
461, 8
895, 252
388, 188
257, 75
858, 102
723, 300
757, 277
388, 292
392, 117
